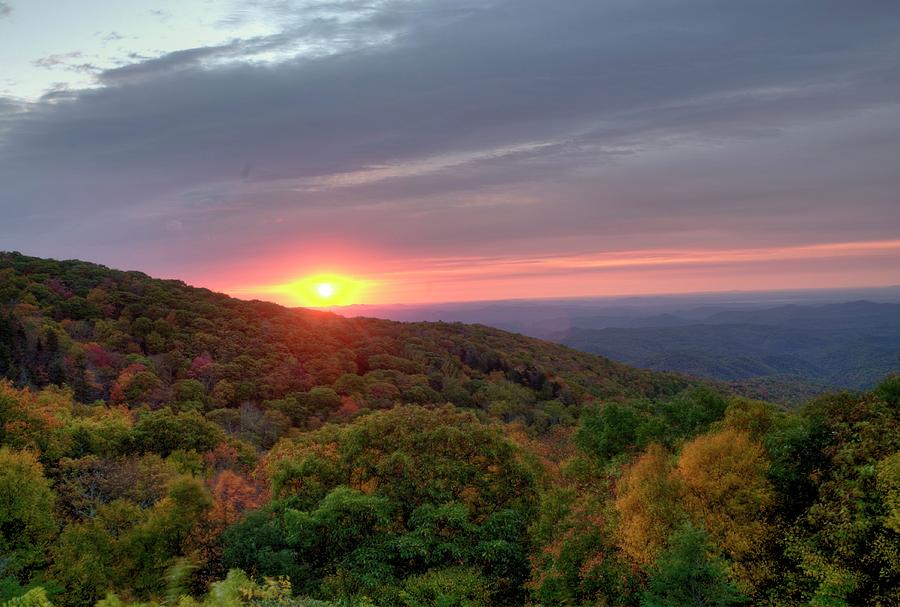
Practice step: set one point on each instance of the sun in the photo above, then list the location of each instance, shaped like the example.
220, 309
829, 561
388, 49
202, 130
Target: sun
325, 290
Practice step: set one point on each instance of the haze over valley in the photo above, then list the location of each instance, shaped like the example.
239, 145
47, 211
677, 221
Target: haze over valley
784, 346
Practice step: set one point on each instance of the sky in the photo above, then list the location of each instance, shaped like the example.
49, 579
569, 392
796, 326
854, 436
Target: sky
419, 151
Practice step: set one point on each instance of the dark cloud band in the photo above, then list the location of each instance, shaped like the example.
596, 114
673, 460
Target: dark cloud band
500, 125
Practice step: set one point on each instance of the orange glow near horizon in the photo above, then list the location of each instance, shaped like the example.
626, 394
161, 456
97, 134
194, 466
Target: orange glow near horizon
380, 280
320, 290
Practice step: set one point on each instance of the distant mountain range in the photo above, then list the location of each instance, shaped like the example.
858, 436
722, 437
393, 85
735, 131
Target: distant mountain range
849, 345
778, 346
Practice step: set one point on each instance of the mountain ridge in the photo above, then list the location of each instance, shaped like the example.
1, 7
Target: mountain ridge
159, 440
100, 321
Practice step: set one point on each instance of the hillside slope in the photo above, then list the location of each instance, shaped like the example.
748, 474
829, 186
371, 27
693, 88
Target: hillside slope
166, 442
124, 337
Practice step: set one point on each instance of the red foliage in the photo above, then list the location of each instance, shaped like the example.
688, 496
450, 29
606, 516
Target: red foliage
58, 287
117, 392
348, 407
233, 494
97, 356
200, 365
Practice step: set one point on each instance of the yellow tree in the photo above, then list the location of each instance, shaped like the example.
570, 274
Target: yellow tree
646, 502
724, 488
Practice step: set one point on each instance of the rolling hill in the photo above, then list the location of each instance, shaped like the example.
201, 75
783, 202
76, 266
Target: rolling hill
782, 346
163, 445
847, 345
125, 337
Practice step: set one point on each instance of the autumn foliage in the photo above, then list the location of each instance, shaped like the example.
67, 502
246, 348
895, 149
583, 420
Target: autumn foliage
163, 445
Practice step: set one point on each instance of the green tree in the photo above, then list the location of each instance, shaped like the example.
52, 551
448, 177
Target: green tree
163, 431
453, 587
843, 548
322, 401
394, 494
27, 524
126, 548
888, 390
687, 574
36, 597
889, 488
609, 430
189, 391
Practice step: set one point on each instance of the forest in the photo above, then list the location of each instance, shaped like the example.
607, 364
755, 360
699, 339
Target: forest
782, 353
164, 445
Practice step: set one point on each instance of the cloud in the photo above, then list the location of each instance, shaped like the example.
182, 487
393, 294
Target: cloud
5, 9
498, 127
67, 61
165, 64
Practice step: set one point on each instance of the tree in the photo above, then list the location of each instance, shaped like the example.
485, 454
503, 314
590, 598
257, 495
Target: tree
688, 575
647, 505
888, 390
392, 495
889, 488
137, 385
189, 391
453, 587
146, 551
36, 597
27, 524
322, 401
576, 560
608, 431
692, 411
724, 488
163, 431
84, 556
223, 393
232, 496
843, 546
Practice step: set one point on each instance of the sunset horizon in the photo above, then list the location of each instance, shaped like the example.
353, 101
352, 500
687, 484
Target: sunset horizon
661, 272
449, 303
574, 177
829, 266
651, 272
